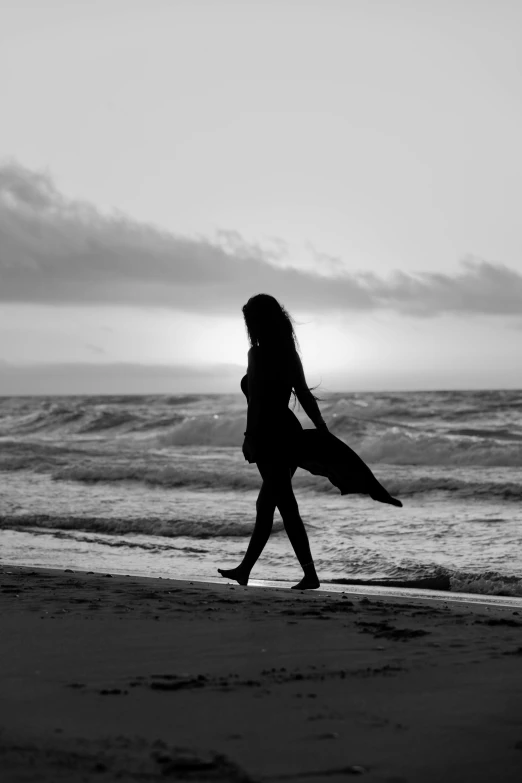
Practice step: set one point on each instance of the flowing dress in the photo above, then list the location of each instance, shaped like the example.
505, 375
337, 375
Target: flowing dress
280, 437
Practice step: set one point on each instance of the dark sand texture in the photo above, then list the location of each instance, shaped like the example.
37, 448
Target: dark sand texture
124, 678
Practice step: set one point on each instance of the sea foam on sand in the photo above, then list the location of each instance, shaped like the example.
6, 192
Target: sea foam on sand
128, 678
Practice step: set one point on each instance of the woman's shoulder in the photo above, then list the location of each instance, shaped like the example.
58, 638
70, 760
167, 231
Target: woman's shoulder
255, 352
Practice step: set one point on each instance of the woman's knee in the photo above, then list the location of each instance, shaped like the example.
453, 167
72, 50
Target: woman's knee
265, 500
283, 494
287, 505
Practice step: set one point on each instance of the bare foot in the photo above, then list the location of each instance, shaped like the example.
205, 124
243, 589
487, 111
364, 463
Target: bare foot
307, 583
238, 574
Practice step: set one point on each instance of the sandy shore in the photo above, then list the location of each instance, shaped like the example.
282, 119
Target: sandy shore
125, 678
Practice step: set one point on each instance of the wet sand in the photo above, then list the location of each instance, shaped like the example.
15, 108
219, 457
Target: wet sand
126, 678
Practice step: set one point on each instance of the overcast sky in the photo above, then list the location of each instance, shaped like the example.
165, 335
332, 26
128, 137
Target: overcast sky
161, 161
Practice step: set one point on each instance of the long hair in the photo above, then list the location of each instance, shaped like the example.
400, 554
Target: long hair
270, 326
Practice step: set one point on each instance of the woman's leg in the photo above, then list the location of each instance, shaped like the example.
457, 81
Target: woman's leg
278, 477
265, 507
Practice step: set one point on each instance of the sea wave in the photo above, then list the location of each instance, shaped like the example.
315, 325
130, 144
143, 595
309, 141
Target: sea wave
249, 480
212, 430
150, 526
225, 470
114, 541
397, 447
116, 532
394, 445
69, 420
487, 583
455, 487
370, 426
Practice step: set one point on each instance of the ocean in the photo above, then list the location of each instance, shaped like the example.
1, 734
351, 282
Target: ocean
158, 486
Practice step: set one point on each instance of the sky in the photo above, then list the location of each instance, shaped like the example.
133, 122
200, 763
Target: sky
162, 160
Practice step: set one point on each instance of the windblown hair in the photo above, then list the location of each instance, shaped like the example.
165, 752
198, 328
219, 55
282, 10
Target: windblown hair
270, 326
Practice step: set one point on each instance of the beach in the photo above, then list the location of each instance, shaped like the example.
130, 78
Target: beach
111, 677
260, 316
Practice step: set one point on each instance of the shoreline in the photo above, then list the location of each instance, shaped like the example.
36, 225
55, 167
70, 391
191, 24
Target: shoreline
359, 588
112, 677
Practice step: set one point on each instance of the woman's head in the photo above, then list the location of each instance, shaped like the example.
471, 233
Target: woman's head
269, 324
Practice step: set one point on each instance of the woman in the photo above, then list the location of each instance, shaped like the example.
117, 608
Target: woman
274, 371
275, 440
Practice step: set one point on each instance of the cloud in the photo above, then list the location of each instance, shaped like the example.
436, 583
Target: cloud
481, 288
54, 250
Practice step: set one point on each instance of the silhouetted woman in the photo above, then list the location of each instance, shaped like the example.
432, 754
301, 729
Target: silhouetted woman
274, 370
276, 441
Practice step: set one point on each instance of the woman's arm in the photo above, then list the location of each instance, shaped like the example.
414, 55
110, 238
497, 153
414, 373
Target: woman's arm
254, 410
306, 398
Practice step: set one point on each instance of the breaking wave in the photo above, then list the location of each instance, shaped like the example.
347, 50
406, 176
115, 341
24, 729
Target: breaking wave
488, 583
225, 469
393, 448
249, 480
404, 448
433, 428
117, 532
120, 526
